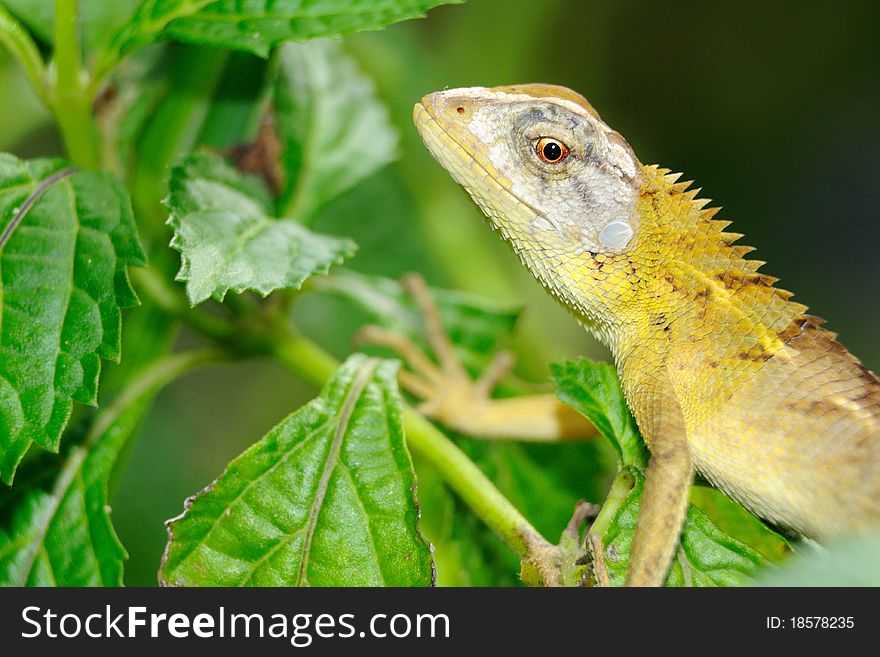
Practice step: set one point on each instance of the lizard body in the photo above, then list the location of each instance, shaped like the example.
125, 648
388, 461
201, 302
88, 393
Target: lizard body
724, 373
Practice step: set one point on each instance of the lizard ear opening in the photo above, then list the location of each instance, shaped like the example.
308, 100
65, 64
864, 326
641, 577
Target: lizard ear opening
616, 235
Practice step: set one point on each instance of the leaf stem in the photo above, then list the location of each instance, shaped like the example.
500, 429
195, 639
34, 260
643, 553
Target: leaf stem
469, 482
620, 488
18, 42
171, 300
70, 97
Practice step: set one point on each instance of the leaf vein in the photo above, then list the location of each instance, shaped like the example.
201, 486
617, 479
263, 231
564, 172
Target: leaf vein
354, 392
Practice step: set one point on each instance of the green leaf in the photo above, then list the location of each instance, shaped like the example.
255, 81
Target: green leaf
63, 280
738, 522
707, 556
333, 130
227, 240
258, 25
55, 527
326, 498
593, 390
99, 19
476, 325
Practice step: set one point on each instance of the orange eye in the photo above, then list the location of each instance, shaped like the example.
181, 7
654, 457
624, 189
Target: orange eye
551, 151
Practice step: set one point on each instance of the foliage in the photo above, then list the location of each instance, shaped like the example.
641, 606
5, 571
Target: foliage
216, 149
226, 240
64, 281
324, 499
60, 532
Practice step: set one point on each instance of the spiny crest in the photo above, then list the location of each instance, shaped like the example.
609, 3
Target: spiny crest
689, 234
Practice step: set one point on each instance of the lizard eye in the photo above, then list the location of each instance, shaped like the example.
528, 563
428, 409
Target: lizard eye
551, 151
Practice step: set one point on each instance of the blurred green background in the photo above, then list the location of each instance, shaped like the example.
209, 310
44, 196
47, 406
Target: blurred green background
772, 107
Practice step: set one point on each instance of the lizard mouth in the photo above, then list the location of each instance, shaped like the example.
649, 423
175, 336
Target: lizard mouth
460, 154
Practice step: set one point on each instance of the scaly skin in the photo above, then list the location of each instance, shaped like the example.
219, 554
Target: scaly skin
723, 372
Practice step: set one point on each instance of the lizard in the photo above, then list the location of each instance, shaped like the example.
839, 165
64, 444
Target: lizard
725, 374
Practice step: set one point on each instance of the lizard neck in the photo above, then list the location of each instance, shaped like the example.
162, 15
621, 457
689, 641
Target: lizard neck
681, 283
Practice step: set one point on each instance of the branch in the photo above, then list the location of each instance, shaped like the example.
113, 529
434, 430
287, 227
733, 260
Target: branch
70, 97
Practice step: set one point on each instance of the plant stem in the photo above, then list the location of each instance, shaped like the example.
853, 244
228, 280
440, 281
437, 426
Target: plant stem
309, 361
620, 488
71, 101
23, 49
169, 298
469, 482
303, 357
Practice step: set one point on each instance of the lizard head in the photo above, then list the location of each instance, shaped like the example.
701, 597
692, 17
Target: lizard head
540, 162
